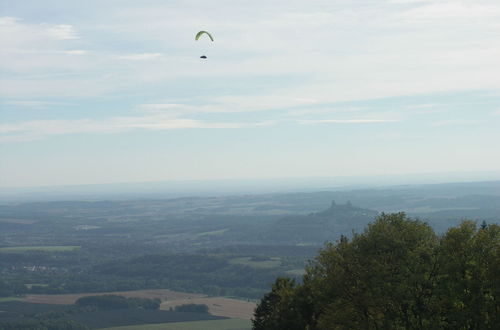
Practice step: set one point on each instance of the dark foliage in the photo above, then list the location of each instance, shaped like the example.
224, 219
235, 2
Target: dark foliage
108, 301
113, 318
398, 274
192, 308
43, 325
30, 309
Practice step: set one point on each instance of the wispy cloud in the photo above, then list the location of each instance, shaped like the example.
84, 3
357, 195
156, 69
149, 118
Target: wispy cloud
28, 48
422, 106
409, 1
447, 10
35, 104
346, 121
75, 52
455, 122
283, 67
40, 129
18, 34
354, 50
232, 104
138, 57
62, 31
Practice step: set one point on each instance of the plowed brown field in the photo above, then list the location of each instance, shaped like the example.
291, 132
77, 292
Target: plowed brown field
220, 306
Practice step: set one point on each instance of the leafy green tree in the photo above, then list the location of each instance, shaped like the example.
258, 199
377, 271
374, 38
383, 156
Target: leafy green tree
470, 276
397, 274
278, 309
382, 279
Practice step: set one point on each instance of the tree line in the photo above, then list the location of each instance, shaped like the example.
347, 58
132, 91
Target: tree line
397, 274
111, 301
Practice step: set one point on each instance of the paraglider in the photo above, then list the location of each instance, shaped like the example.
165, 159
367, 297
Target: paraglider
199, 34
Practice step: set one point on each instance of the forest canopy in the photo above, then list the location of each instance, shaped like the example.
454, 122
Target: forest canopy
397, 274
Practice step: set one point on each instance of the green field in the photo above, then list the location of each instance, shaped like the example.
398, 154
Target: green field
49, 248
214, 232
31, 285
229, 324
247, 261
4, 299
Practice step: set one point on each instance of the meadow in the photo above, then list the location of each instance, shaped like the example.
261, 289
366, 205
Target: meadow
50, 248
228, 324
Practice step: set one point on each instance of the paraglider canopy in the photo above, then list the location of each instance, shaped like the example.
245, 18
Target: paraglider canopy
199, 34
203, 56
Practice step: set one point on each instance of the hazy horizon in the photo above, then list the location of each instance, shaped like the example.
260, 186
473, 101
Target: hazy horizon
234, 187
403, 178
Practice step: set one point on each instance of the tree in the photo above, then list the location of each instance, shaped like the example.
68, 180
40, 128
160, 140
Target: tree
109, 301
383, 277
397, 274
192, 308
470, 276
279, 308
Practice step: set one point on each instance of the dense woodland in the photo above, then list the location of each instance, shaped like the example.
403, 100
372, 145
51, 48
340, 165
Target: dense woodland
397, 274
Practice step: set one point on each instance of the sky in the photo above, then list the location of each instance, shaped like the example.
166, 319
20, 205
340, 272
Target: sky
115, 91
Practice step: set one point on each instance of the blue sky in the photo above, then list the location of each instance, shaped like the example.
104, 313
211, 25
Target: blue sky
115, 91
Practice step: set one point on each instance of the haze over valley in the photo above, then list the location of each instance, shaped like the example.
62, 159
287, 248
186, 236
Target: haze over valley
236, 165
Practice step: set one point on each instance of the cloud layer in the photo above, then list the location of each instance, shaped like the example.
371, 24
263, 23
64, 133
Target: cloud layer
318, 86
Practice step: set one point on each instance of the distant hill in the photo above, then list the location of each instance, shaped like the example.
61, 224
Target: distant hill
318, 227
